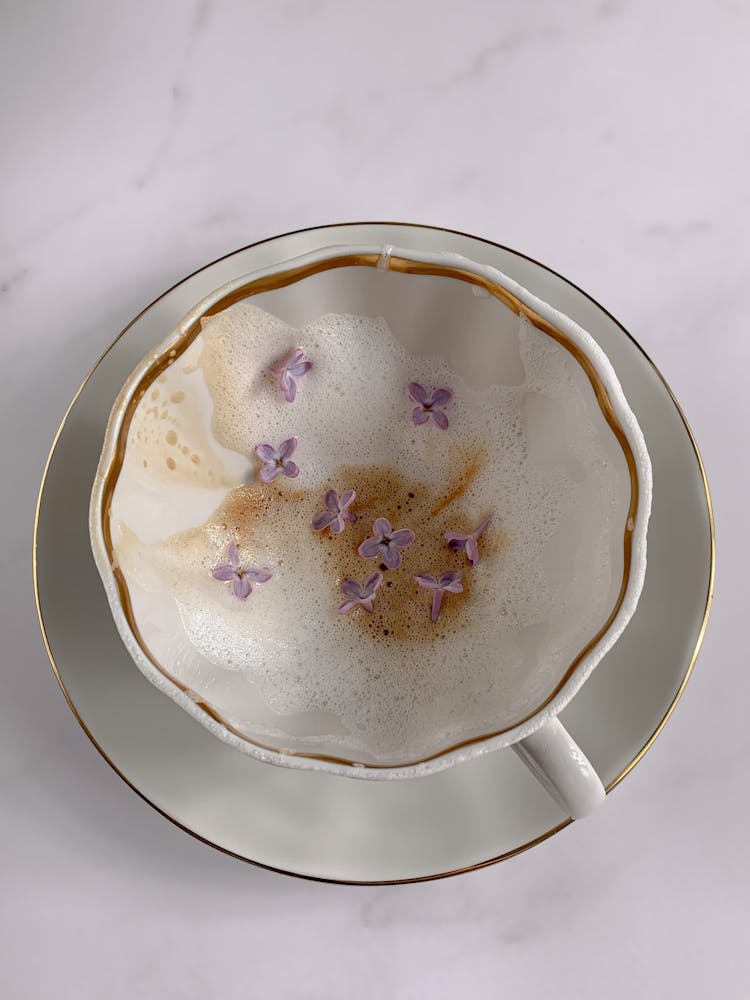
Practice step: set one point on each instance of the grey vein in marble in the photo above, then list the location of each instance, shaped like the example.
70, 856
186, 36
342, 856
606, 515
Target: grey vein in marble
178, 93
512, 43
14, 279
677, 233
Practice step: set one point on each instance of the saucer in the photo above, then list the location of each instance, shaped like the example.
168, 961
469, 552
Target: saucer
321, 825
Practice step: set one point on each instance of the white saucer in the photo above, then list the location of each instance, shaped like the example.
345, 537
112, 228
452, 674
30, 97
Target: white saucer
320, 825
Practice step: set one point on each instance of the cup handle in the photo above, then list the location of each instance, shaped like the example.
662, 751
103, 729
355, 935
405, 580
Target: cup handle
557, 761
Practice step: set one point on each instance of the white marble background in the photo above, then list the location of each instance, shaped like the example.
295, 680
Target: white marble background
609, 139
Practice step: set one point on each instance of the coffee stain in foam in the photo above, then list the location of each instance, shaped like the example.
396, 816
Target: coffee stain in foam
402, 609
466, 478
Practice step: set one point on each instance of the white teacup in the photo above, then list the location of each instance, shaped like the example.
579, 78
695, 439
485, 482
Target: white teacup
516, 503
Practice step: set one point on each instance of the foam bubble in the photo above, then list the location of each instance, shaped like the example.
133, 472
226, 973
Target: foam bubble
392, 683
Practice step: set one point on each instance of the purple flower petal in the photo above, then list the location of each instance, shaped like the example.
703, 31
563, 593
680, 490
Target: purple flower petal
391, 556
417, 392
335, 514
441, 396
448, 583
242, 587
266, 453
286, 448
455, 539
331, 501
430, 409
382, 527
437, 600
402, 537
223, 573
268, 473
290, 470
323, 519
386, 542
299, 368
295, 365
362, 596
240, 579
288, 386
370, 548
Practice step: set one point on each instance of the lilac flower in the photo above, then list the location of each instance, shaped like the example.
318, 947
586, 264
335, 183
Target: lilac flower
468, 542
386, 543
335, 514
449, 583
295, 366
242, 579
276, 463
360, 596
432, 408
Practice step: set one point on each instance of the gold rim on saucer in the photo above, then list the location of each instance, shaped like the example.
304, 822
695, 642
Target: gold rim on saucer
560, 826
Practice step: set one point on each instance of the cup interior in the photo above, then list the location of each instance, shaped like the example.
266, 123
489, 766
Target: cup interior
533, 446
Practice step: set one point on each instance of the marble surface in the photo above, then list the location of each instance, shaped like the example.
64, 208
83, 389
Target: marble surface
609, 140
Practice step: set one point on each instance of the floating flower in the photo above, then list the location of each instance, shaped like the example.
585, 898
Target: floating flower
432, 408
294, 367
468, 542
449, 583
336, 512
242, 579
360, 596
276, 462
386, 543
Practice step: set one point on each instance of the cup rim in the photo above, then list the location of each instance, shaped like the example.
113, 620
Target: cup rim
612, 402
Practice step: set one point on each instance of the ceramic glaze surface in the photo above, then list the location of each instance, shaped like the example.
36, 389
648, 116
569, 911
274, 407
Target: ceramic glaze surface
539, 440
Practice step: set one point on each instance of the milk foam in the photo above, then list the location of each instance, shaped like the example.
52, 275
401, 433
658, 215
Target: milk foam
385, 681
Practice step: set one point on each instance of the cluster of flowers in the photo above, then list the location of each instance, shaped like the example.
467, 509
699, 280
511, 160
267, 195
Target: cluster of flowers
386, 542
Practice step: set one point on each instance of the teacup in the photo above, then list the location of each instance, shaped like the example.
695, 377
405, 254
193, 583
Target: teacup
376, 512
